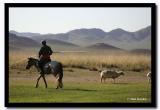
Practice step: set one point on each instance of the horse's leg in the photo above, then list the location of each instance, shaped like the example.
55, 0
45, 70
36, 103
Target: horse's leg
44, 80
61, 77
38, 80
60, 81
57, 80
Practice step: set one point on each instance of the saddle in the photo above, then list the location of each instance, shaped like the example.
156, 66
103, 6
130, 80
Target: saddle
48, 68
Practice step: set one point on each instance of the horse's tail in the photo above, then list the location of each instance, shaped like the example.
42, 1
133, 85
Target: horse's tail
61, 70
61, 76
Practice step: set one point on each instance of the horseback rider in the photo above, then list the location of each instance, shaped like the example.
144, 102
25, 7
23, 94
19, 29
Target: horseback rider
44, 55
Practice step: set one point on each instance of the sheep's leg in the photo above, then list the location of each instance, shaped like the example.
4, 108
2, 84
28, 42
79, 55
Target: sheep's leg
101, 80
149, 80
44, 80
114, 80
38, 80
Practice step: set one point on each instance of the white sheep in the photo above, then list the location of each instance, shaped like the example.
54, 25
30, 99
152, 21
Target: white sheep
149, 75
110, 74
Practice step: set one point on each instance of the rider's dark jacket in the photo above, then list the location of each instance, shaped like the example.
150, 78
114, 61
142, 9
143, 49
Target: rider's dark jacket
45, 52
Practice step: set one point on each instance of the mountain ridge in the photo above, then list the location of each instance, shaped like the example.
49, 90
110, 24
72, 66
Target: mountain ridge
118, 37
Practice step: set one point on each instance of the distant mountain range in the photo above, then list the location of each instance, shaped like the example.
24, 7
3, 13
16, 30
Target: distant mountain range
25, 34
141, 51
90, 38
20, 42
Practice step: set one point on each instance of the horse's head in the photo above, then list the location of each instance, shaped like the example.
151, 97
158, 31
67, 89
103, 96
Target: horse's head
31, 62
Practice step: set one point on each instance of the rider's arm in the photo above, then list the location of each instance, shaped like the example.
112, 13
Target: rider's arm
40, 52
51, 51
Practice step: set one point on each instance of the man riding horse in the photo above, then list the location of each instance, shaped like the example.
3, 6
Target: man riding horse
44, 55
53, 67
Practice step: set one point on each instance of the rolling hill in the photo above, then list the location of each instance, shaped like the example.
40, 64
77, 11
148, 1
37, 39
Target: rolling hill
20, 43
61, 45
102, 46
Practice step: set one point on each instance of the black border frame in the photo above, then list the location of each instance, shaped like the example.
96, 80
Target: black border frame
153, 103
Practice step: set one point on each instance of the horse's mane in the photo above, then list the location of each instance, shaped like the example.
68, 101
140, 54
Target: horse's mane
31, 58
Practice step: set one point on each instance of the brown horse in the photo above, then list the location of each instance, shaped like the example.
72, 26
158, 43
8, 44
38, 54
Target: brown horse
52, 67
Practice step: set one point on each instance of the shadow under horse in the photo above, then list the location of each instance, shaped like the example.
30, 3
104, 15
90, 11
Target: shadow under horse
52, 67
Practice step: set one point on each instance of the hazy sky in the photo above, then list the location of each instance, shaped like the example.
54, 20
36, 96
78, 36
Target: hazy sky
60, 20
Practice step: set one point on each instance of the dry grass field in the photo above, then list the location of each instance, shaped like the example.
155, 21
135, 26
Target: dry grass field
123, 61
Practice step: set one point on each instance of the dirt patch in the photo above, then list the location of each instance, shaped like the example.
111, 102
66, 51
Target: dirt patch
79, 76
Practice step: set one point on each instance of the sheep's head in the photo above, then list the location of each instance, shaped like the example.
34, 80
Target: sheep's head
121, 72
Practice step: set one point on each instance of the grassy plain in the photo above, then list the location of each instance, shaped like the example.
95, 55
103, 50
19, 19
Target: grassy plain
80, 84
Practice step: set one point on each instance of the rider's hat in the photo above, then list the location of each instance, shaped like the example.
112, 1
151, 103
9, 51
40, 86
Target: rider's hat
44, 42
